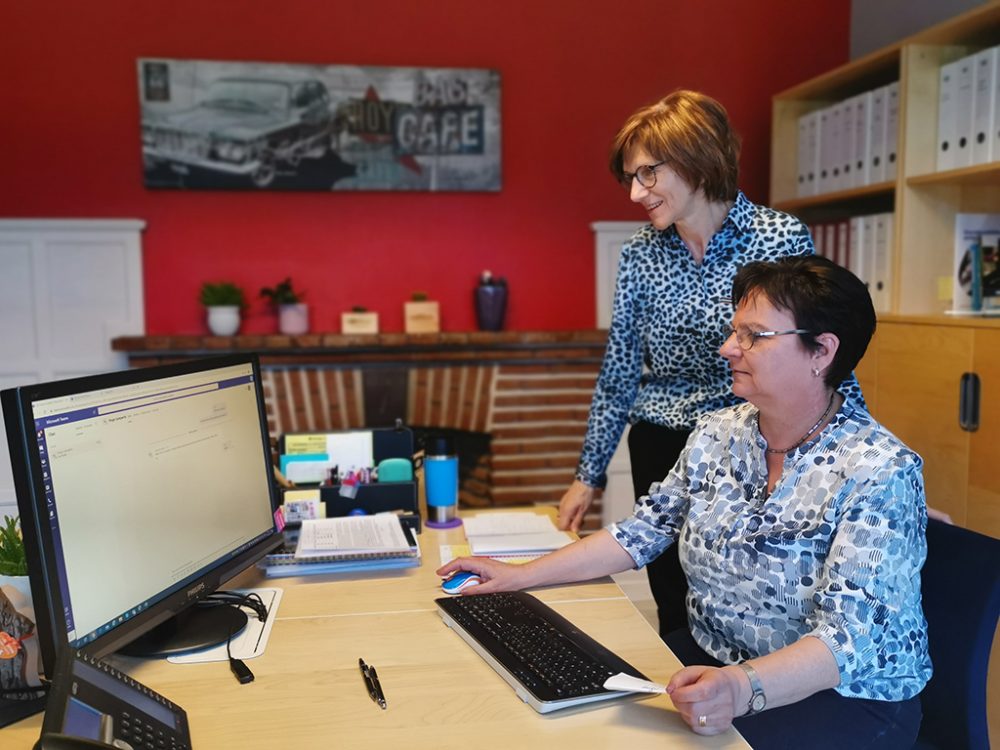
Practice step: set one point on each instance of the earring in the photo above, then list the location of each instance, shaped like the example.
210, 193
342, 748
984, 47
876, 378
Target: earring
815, 372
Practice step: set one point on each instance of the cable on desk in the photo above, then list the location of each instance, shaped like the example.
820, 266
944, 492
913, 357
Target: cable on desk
231, 599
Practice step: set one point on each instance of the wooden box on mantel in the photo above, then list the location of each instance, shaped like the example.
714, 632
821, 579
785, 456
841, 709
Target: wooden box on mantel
421, 317
359, 322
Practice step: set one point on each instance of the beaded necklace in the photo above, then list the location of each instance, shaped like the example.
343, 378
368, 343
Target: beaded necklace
809, 432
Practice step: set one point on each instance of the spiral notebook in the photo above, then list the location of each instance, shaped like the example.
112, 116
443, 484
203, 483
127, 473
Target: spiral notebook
346, 539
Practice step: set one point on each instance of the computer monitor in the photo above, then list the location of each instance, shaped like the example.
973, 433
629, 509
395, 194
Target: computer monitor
140, 493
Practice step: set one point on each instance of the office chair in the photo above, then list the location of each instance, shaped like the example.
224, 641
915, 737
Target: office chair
961, 596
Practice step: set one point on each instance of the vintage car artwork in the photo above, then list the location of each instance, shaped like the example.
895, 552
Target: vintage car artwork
231, 125
244, 126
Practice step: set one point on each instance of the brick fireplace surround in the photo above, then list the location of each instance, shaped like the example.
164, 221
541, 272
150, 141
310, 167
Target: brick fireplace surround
530, 391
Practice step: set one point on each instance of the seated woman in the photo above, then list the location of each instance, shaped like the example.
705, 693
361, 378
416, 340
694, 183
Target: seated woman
800, 522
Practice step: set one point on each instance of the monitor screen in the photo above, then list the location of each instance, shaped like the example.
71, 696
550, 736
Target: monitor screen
140, 492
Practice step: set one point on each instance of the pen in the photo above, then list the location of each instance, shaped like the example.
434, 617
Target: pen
368, 680
379, 695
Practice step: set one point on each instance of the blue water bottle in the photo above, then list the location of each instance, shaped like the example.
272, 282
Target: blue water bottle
441, 479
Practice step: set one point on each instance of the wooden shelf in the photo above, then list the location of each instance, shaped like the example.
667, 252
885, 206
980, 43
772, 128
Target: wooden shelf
837, 199
980, 174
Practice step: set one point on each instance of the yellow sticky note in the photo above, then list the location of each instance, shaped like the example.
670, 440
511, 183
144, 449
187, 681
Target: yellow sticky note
945, 289
299, 444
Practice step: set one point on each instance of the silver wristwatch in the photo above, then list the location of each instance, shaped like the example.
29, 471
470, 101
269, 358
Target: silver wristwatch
758, 701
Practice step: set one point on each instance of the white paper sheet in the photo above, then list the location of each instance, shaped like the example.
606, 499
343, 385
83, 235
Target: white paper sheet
249, 642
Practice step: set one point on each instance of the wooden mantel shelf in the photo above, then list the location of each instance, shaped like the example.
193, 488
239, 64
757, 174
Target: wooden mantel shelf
483, 346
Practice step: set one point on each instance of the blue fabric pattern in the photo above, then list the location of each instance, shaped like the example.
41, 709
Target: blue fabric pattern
834, 552
667, 314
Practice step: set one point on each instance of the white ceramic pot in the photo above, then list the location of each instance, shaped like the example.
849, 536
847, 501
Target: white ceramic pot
224, 320
293, 319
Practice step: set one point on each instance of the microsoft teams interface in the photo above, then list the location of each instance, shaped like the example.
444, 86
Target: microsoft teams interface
146, 486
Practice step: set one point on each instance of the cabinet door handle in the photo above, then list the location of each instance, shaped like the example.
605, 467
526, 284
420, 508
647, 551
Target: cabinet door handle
968, 402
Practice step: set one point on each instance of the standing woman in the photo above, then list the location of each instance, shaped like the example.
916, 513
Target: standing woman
679, 158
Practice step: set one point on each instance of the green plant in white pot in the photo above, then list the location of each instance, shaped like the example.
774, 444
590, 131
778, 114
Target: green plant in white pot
224, 302
293, 313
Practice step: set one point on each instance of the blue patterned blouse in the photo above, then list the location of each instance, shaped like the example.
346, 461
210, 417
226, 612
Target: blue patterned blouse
834, 552
668, 313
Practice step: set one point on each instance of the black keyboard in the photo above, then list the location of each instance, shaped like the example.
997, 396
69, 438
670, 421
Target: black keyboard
549, 662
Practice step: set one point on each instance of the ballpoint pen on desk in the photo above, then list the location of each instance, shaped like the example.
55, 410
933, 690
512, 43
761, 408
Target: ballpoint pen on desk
371, 683
379, 695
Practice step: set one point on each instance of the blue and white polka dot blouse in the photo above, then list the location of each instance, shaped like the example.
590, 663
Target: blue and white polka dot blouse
834, 552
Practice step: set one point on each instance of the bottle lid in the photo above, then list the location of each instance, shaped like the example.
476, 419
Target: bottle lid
439, 445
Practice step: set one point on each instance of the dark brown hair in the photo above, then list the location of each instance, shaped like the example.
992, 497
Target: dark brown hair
822, 297
692, 134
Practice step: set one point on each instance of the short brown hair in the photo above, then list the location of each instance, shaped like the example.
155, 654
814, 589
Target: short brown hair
692, 134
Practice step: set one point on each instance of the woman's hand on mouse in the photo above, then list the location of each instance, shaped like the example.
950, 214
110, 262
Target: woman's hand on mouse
494, 575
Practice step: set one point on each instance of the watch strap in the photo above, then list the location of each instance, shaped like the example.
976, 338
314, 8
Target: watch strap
758, 701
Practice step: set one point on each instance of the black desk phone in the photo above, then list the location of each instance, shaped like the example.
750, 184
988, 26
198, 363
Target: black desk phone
93, 705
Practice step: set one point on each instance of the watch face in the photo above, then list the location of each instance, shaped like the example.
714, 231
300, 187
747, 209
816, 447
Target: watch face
758, 702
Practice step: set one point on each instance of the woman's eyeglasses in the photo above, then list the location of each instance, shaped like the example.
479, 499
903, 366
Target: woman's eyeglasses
746, 338
646, 175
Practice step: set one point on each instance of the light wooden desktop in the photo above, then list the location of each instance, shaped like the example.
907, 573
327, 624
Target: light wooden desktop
309, 693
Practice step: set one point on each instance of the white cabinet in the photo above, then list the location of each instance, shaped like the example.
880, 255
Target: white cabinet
609, 236
67, 288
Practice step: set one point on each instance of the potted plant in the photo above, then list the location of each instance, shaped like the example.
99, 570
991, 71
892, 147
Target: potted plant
224, 302
421, 315
13, 561
293, 313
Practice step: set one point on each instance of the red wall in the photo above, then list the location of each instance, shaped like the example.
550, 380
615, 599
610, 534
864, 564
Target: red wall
571, 71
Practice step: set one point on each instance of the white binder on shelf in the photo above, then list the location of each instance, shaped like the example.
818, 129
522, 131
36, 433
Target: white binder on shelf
983, 105
836, 146
867, 264
856, 247
802, 158
963, 111
861, 172
881, 264
891, 130
876, 136
808, 155
947, 130
847, 144
826, 146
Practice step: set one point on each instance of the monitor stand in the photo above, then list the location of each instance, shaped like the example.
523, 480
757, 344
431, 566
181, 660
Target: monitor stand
193, 629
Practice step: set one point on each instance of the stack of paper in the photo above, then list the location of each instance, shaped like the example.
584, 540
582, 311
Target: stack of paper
511, 533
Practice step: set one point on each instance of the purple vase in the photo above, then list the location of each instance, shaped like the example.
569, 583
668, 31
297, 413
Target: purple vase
491, 305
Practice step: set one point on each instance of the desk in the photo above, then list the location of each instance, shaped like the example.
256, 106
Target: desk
442, 695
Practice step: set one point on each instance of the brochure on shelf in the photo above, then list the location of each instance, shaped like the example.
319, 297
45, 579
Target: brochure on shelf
976, 279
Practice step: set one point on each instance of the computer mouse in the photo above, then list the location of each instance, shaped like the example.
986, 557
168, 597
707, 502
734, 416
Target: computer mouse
461, 580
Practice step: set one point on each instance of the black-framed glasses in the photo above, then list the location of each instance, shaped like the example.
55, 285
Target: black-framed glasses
646, 175
746, 338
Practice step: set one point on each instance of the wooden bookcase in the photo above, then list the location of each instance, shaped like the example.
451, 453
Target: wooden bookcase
911, 373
